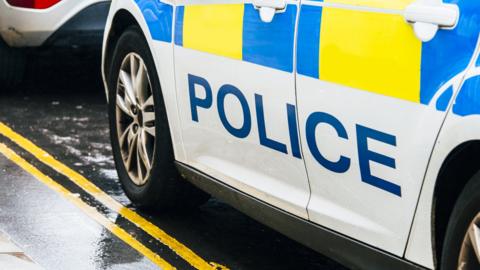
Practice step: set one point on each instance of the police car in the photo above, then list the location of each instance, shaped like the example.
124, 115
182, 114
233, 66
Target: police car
351, 126
47, 23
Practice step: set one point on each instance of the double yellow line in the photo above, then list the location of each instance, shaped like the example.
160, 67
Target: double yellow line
184, 252
90, 211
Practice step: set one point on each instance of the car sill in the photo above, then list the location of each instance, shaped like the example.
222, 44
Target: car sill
349, 252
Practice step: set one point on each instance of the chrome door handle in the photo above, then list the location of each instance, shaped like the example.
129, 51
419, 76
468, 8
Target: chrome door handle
268, 8
428, 18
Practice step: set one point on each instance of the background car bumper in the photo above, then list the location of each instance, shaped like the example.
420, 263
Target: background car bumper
77, 21
84, 29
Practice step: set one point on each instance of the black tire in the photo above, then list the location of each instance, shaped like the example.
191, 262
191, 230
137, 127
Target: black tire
12, 66
165, 188
465, 210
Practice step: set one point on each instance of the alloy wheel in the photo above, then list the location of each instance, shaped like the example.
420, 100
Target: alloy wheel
469, 258
135, 118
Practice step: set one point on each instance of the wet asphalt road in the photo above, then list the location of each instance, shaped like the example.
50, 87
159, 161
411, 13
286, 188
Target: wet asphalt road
61, 108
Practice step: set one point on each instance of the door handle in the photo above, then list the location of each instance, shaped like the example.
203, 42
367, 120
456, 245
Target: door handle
268, 8
428, 18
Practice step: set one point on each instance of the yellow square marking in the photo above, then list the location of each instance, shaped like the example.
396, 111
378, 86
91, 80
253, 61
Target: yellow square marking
215, 29
375, 52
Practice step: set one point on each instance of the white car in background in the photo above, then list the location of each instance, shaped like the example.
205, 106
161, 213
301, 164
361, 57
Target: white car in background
35, 23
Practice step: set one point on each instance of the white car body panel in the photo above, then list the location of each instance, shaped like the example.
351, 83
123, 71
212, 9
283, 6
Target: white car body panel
342, 201
345, 201
455, 131
242, 163
425, 135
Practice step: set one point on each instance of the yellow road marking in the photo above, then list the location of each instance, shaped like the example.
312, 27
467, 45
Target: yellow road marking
90, 211
187, 254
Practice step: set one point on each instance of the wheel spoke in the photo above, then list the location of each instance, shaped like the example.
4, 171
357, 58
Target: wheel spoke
121, 104
125, 134
150, 130
141, 83
148, 117
142, 150
131, 137
131, 151
133, 66
474, 235
139, 162
148, 102
129, 91
139, 169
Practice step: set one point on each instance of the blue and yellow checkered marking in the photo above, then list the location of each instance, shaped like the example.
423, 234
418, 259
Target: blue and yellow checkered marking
374, 52
269, 44
159, 17
179, 14
308, 47
236, 31
467, 101
450, 52
379, 53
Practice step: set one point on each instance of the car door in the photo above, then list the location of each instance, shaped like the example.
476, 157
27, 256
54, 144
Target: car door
236, 90
371, 98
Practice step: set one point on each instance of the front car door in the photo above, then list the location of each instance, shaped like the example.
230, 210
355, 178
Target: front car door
372, 98
236, 89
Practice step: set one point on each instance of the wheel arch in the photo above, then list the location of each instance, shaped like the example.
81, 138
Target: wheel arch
159, 36
457, 169
120, 22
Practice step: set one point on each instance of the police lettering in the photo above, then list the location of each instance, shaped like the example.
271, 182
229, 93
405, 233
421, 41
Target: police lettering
340, 165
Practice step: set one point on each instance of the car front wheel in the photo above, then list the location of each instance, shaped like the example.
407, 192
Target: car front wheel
139, 130
461, 249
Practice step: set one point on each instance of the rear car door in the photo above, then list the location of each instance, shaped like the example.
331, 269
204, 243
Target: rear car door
236, 89
372, 97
